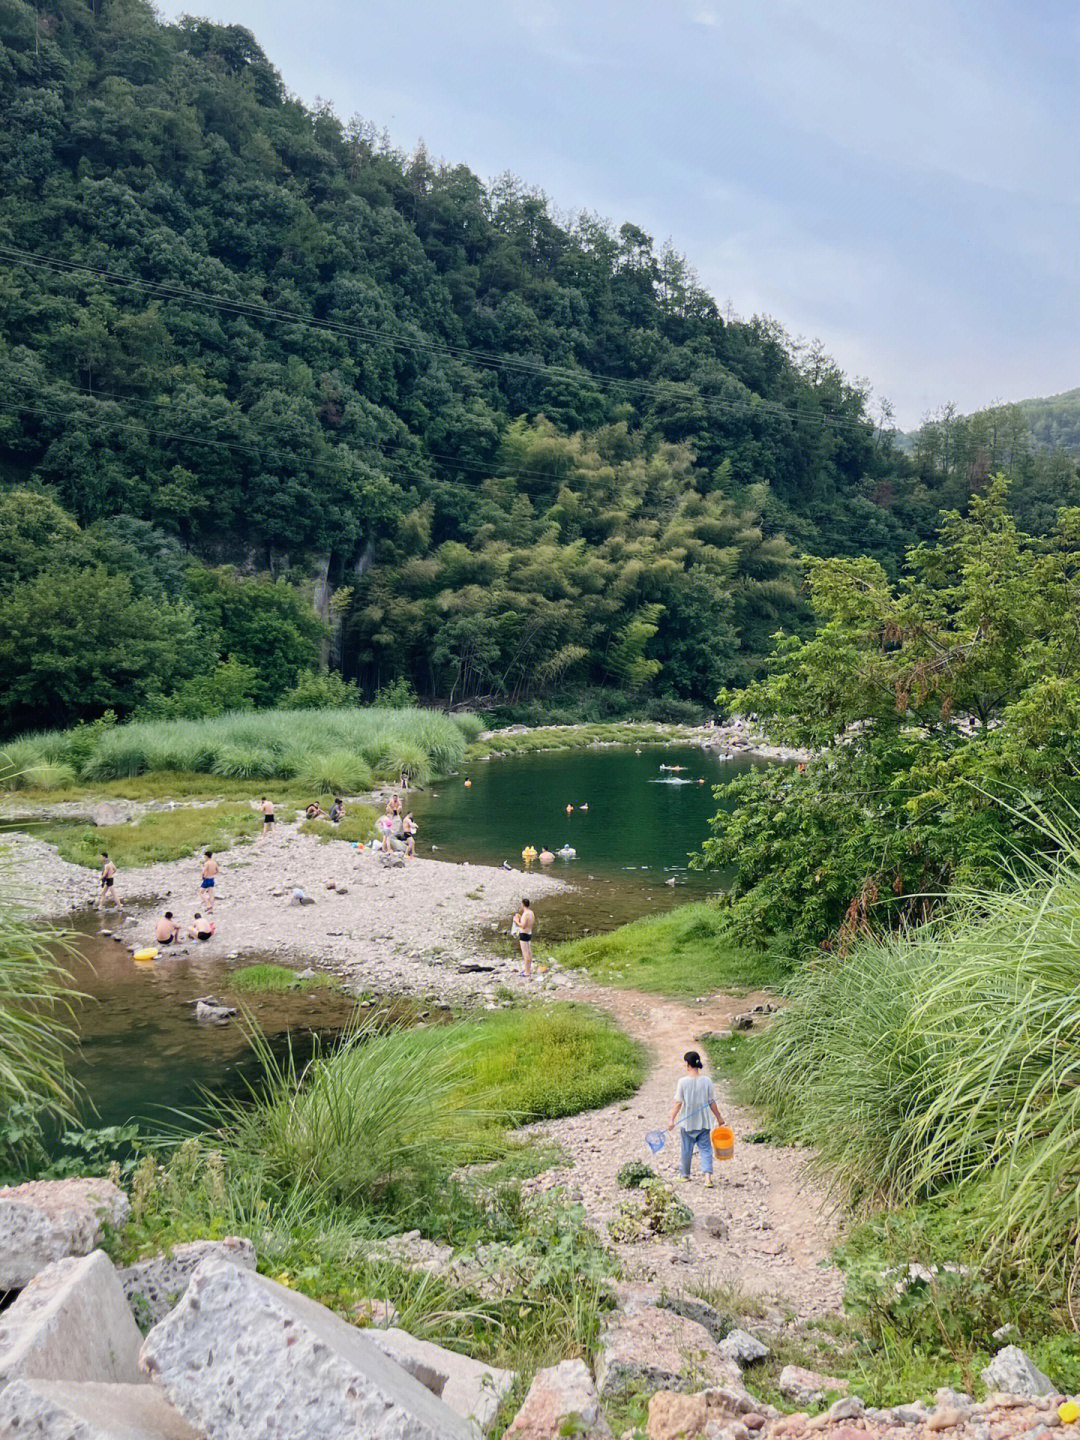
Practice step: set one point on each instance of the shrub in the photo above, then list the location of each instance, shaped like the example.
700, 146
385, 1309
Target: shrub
48, 776
634, 1173
471, 726
404, 757
339, 773
658, 1212
246, 762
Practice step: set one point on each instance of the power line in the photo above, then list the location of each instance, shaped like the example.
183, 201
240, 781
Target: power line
753, 406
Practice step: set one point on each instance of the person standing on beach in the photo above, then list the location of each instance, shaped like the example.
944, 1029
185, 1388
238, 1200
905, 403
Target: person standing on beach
695, 1099
108, 890
206, 884
267, 808
524, 924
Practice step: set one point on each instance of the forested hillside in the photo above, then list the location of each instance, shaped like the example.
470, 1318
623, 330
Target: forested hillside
274, 393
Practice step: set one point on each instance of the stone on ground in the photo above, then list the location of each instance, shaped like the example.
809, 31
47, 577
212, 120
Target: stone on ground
1014, 1373
154, 1286
244, 1358
561, 1401
71, 1323
65, 1410
743, 1348
807, 1387
654, 1348
673, 1416
471, 1389
47, 1220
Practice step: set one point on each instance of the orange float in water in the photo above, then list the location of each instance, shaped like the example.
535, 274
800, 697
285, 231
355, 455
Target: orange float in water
723, 1142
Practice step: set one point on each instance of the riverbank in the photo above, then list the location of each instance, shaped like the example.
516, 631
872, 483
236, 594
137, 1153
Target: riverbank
736, 736
422, 927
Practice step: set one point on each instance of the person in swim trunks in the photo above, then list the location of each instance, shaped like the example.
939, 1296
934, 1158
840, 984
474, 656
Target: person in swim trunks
206, 884
201, 927
267, 808
108, 890
166, 931
524, 922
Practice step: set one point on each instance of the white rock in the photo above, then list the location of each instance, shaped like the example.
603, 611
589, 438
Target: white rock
1014, 1373
649, 1347
561, 1400
71, 1323
470, 1388
154, 1286
806, 1387
47, 1220
65, 1410
243, 1358
743, 1348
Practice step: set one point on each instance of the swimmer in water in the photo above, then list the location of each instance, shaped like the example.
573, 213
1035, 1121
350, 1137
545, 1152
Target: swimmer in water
546, 856
468, 782
569, 809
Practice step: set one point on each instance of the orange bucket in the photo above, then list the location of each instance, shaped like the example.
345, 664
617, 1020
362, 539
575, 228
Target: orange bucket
723, 1142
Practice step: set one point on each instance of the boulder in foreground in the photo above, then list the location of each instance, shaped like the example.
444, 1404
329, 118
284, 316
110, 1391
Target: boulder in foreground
1014, 1373
653, 1348
243, 1358
154, 1286
471, 1389
71, 1323
64, 1410
47, 1220
561, 1401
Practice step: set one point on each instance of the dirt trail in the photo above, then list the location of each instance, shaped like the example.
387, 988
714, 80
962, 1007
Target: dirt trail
778, 1228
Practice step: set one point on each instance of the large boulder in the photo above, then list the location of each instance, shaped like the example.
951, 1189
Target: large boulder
47, 1220
244, 1358
807, 1387
469, 1387
71, 1323
63, 1410
744, 1348
675, 1416
561, 1401
1012, 1372
653, 1348
154, 1286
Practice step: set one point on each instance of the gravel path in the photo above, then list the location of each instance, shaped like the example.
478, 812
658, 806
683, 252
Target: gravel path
776, 1230
408, 929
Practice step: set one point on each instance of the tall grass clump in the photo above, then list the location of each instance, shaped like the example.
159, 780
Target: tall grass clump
950, 1060
36, 1034
257, 745
339, 773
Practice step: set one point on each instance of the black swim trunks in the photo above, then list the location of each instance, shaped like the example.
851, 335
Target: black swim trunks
268, 819
523, 936
106, 881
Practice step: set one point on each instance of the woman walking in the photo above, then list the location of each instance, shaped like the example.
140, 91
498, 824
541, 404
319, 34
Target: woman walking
695, 1099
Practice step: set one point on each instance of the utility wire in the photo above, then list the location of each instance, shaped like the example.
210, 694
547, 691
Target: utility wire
753, 405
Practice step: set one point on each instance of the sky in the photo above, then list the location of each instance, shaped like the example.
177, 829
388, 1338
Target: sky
898, 181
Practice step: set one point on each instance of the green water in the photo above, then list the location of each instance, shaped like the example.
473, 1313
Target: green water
635, 836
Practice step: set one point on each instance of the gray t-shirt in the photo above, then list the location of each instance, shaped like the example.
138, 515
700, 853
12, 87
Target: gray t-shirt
696, 1093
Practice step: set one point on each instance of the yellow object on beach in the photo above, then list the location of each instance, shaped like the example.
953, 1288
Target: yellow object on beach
723, 1142
1068, 1412
528, 854
145, 955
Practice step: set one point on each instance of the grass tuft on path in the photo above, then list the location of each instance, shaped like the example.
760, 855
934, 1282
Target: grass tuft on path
686, 952
276, 980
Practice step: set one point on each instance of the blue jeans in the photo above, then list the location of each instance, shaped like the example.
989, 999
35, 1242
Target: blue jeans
702, 1140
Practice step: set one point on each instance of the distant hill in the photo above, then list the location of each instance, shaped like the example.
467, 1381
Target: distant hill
1055, 420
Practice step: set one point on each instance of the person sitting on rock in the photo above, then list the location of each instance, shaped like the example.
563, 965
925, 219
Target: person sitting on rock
201, 928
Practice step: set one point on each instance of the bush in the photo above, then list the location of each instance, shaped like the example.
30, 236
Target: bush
325, 691
947, 1058
245, 762
339, 773
48, 776
634, 1173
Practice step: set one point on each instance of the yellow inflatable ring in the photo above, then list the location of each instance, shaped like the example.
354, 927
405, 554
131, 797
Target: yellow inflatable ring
145, 955
528, 854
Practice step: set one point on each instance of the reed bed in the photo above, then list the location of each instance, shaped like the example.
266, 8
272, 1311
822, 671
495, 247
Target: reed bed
949, 1061
333, 750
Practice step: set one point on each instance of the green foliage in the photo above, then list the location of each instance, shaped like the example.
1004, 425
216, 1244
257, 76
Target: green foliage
271, 979
685, 952
944, 1058
634, 1173
320, 748
657, 1211
325, 691
911, 801
229, 685
157, 836
357, 827
36, 1034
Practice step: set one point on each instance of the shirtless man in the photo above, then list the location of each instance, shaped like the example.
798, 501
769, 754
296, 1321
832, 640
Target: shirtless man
108, 890
166, 931
206, 884
201, 928
267, 808
525, 921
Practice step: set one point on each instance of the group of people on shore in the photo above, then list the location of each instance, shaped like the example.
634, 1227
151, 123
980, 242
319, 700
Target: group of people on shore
167, 930
396, 829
